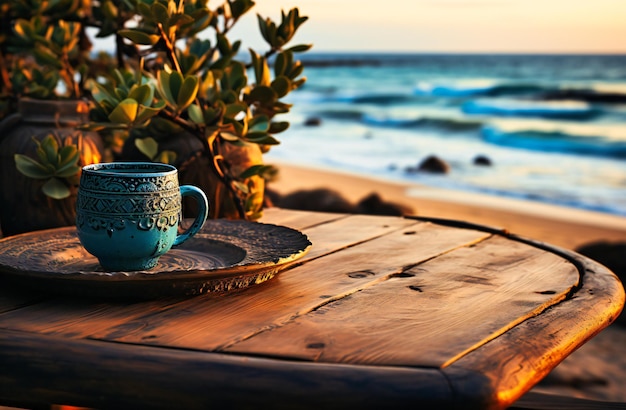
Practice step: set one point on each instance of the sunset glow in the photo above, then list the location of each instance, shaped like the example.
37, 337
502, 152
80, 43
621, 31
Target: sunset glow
551, 26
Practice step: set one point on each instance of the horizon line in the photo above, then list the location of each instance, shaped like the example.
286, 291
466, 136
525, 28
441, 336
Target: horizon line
486, 52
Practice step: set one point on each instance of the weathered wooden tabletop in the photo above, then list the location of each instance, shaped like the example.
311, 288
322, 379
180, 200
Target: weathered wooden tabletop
381, 312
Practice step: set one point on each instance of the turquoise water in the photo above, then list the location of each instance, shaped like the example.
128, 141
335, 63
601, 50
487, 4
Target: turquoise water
554, 127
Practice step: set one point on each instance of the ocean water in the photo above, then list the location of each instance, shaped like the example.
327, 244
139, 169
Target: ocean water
553, 126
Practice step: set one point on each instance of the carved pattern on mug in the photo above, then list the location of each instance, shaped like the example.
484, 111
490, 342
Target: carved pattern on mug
102, 211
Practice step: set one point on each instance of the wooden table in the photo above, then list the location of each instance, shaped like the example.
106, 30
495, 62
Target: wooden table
382, 311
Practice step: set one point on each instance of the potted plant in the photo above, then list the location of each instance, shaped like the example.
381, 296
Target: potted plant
43, 62
179, 91
176, 90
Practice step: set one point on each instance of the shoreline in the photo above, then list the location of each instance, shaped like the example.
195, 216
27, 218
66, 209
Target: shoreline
554, 224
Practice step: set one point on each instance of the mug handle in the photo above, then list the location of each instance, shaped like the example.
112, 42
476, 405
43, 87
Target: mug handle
203, 212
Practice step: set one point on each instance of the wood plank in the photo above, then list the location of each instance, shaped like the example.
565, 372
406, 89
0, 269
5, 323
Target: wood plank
518, 359
96, 374
298, 219
431, 314
12, 298
77, 318
80, 318
219, 323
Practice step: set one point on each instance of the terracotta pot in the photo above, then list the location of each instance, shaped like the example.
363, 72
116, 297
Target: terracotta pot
24, 207
194, 169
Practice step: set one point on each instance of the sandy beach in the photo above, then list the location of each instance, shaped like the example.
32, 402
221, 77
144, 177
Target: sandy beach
597, 370
565, 227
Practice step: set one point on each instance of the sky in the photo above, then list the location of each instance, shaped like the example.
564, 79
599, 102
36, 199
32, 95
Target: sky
472, 26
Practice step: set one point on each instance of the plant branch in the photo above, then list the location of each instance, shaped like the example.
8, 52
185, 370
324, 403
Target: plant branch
210, 149
68, 77
171, 55
226, 178
4, 73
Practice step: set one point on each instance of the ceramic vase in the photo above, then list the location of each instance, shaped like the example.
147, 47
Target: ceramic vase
194, 169
24, 206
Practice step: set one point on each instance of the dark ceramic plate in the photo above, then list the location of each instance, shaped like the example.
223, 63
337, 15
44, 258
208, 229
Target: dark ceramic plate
224, 256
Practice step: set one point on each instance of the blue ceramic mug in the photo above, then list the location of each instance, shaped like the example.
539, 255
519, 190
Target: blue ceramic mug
127, 213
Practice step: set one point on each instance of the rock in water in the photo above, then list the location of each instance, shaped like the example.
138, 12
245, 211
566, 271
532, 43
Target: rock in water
434, 164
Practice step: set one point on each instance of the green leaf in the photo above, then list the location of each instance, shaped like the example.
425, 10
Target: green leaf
220, 63
139, 37
300, 48
229, 136
262, 138
296, 70
280, 64
175, 83
185, 19
264, 95
229, 96
99, 92
68, 156
259, 169
223, 44
147, 146
238, 128
263, 27
212, 115
281, 108
282, 85
237, 76
188, 92
125, 112
67, 171
239, 7
160, 13
56, 189
145, 113
46, 57
195, 113
163, 81
235, 47
50, 146
277, 127
143, 9
298, 83
143, 94
233, 109
253, 204
41, 153
260, 123
30, 167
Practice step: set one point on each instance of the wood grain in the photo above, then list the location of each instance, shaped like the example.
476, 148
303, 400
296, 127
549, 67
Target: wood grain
429, 315
382, 312
81, 318
105, 375
522, 356
219, 323
298, 219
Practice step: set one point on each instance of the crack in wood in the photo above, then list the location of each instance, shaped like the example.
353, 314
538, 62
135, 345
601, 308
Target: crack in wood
400, 273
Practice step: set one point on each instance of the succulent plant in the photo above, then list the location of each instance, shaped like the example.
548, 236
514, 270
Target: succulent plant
174, 71
43, 48
170, 77
44, 55
56, 164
